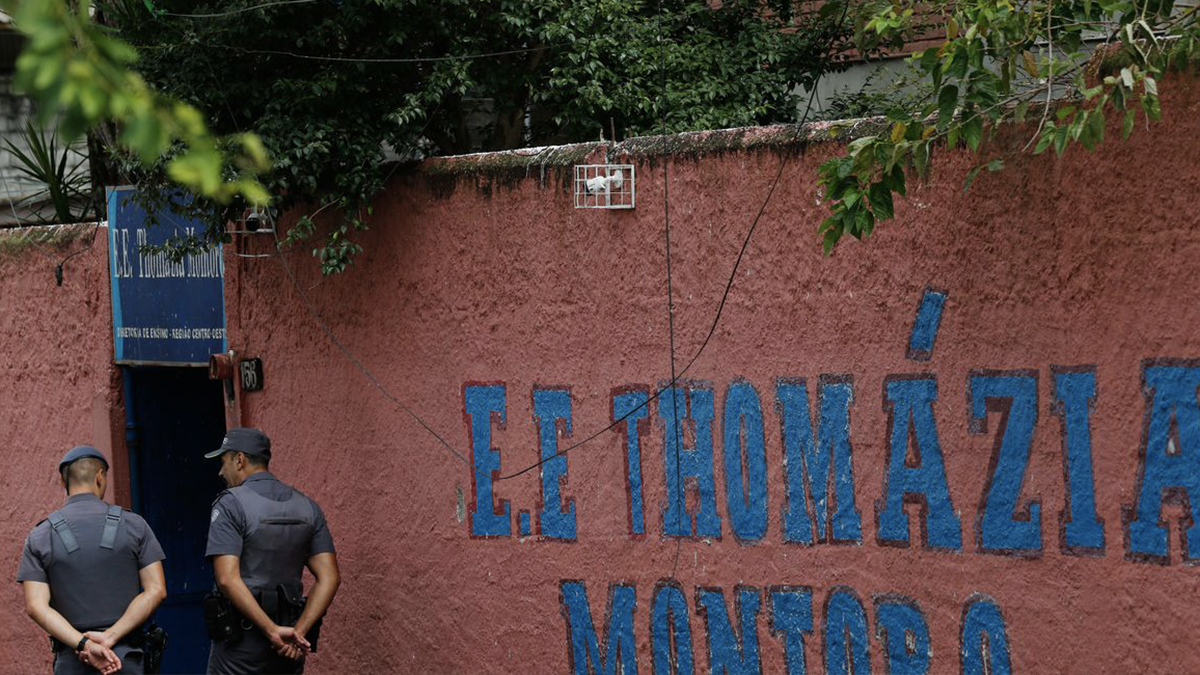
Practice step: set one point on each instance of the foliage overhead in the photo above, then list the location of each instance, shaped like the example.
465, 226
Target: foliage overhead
76, 68
334, 89
62, 173
1070, 65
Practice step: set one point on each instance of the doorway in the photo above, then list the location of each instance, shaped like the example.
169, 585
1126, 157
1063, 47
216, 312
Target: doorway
173, 416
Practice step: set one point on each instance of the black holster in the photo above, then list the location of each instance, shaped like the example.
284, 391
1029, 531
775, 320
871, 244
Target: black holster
152, 642
154, 645
225, 623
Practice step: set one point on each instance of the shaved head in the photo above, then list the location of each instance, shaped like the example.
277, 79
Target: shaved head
82, 471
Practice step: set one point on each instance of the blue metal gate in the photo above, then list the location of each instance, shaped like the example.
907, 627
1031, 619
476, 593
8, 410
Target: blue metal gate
173, 416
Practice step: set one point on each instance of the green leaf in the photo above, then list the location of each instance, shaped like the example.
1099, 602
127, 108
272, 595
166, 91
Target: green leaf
1064, 112
1044, 142
921, 158
858, 145
880, 197
947, 101
959, 63
831, 238
1075, 129
1127, 78
864, 222
1096, 124
971, 177
1150, 104
1127, 123
896, 180
973, 132
1061, 136
850, 198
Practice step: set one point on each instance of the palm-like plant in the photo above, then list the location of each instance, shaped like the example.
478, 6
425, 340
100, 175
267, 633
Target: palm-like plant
62, 171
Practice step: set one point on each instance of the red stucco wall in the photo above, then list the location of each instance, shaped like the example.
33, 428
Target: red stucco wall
60, 389
1084, 261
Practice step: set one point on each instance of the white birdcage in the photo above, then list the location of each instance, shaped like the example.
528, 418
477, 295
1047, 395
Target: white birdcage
604, 186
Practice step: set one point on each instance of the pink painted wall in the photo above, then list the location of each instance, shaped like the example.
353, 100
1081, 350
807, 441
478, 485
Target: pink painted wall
60, 389
1084, 261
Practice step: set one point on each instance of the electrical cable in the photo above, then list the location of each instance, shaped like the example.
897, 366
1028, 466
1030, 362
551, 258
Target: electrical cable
312, 309
351, 59
662, 114
428, 59
232, 12
790, 144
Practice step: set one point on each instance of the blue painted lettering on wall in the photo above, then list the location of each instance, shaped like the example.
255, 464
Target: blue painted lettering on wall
550, 407
482, 404
1170, 469
846, 647
1014, 397
983, 626
900, 626
791, 616
818, 472
616, 652
909, 403
671, 631
1081, 530
730, 654
745, 495
925, 326
632, 407
694, 406
818, 468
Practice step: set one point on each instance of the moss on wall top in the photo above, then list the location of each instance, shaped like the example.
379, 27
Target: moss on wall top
57, 238
509, 168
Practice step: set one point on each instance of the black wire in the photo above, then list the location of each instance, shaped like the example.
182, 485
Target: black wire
354, 359
798, 129
428, 59
218, 15
790, 144
365, 60
662, 111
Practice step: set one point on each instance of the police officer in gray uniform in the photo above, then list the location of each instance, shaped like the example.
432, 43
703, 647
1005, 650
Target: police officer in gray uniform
262, 535
92, 574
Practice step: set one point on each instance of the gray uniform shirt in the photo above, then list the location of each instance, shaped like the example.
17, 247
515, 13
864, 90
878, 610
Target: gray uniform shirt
227, 528
135, 548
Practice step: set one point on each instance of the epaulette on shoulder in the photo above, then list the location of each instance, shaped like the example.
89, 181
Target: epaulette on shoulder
220, 494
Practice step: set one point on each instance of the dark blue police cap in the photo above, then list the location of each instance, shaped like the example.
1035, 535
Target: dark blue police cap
79, 452
249, 441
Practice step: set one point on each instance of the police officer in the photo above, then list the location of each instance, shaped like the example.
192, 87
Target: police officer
92, 574
262, 535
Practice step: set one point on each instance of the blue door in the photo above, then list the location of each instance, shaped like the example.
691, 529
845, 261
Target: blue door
175, 415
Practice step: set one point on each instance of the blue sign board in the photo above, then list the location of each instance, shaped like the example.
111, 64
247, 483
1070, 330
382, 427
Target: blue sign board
164, 313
